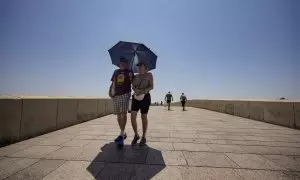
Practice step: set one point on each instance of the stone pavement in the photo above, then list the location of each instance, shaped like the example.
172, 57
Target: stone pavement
195, 144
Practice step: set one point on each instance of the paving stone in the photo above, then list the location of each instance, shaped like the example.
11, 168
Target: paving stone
209, 173
228, 137
165, 157
191, 147
65, 153
53, 141
221, 141
167, 139
208, 159
32, 141
128, 154
117, 171
263, 174
9, 166
136, 172
81, 170
253, 161
167, 173
161, 146
86, 137
226, 148
35, 151
37, 170
200, 141
193, 136
286, 151
159, 135
77, 142
205, 136
288, 162
11, 149
257, 149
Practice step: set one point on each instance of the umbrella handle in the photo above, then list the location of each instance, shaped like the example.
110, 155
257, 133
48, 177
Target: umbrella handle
132, 61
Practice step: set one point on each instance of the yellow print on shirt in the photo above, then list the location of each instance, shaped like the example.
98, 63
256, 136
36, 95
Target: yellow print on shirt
120, 79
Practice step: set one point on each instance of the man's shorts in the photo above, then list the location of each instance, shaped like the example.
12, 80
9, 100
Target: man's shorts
168, 101
120, 103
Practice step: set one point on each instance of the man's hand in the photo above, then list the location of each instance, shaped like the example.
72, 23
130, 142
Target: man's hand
110, 93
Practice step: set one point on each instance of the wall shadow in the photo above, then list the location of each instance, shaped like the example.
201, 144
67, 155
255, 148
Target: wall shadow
132, 162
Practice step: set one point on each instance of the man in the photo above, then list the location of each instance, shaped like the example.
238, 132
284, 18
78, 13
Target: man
169, 99
120, 92
183, 100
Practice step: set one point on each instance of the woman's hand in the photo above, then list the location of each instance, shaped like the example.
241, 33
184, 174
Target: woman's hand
138, 92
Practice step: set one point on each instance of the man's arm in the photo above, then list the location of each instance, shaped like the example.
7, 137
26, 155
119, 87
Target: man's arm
110, 90
111, 85
172, 97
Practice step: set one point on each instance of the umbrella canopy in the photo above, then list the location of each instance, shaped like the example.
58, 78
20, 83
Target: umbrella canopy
134, 53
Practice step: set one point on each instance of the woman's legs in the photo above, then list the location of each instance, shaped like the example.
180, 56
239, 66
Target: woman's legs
134, 110
133, 121
144, 113
145, 124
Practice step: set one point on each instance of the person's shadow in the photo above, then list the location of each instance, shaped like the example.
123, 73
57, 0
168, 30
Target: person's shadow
131, 162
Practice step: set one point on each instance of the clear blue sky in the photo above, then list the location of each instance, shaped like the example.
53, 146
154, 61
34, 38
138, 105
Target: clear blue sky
207, 49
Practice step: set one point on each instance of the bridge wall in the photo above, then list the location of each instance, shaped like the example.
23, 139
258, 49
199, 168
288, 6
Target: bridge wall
283, 113
21, 119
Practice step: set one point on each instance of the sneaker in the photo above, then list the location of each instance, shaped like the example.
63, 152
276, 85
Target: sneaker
135, 139
143, 141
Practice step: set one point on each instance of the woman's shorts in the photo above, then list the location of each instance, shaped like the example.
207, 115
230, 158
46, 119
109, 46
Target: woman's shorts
142, 105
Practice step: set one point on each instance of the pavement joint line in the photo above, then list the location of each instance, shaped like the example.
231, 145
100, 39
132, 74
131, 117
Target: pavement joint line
231, 160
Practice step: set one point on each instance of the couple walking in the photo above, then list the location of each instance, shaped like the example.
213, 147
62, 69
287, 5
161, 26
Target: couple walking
120, 91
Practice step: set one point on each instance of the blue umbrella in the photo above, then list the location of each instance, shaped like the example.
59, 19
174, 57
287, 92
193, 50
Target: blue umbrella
134, 53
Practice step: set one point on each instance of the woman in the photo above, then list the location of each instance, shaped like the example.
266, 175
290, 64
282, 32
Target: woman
142, 84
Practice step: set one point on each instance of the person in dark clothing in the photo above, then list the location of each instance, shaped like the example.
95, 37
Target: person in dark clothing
183, 100
169, 99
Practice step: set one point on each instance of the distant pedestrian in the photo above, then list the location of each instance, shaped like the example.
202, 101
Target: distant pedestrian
183, 100
161, 103
169, 99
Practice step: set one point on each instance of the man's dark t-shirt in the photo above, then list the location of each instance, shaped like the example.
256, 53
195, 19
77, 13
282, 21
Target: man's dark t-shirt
169, 97
122, 79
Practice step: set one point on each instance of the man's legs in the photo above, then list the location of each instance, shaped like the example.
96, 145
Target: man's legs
123, 122
121, 107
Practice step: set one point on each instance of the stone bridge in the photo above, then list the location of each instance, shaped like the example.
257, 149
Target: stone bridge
67, 138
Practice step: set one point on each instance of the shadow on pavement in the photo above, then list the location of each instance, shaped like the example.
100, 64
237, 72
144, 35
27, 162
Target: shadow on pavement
132, 162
